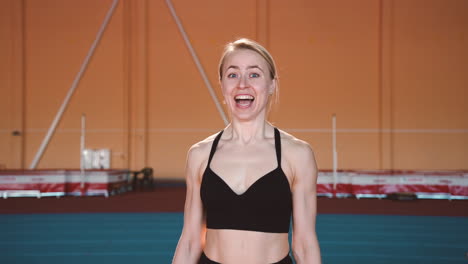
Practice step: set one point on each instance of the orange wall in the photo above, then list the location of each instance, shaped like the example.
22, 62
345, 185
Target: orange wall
392, 72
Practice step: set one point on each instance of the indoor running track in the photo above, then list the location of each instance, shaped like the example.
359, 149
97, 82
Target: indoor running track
141, 238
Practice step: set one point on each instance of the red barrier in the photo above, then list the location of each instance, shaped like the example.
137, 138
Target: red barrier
62, 182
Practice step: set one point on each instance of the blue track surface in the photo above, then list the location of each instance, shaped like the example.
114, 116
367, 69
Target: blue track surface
151, 238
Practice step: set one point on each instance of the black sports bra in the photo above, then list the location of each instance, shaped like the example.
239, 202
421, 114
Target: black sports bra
265, 206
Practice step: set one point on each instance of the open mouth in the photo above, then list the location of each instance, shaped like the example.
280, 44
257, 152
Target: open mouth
244, 100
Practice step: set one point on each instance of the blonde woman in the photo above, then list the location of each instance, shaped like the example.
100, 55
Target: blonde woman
246, 183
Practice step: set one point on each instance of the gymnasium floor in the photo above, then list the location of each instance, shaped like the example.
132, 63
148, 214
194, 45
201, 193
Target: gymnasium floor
143, 227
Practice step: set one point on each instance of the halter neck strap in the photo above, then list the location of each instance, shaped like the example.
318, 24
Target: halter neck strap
278, 146
213, 147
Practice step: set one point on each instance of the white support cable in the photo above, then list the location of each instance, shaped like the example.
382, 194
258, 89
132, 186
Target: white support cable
72, 89
197, 62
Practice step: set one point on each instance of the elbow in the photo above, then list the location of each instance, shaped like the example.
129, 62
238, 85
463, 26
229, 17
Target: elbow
299, 252
306, 251
187, 251
193, 247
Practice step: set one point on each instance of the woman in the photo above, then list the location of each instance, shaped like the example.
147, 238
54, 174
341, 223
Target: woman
243, 182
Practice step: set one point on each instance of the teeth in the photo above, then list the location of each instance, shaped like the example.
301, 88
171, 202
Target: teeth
244, 97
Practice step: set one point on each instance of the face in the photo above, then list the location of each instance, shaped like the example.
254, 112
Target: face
246, 84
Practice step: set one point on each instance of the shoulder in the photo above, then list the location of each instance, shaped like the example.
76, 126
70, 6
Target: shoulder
298, 156
295, 147
197, 155
201, 147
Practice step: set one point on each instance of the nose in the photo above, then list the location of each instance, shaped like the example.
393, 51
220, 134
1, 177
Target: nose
243, 81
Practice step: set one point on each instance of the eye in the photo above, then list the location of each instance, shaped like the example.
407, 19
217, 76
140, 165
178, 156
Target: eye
232, 75
254, 75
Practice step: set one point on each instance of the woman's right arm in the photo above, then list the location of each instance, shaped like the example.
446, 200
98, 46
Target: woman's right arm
191, 240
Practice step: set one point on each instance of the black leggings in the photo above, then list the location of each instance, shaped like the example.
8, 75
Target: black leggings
205, 260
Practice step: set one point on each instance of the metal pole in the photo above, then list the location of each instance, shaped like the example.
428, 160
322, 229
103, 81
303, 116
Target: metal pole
82, 149
197, 62
335, 154
72, 89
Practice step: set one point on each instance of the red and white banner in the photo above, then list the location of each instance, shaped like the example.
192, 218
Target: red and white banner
62, 182
425, 184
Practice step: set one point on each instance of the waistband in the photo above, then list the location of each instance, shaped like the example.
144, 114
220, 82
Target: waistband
205, 260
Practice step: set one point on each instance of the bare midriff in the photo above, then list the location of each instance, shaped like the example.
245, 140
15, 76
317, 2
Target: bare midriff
247, 247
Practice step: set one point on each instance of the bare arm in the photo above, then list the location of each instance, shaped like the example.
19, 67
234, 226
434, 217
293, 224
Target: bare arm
305, 245
190, 243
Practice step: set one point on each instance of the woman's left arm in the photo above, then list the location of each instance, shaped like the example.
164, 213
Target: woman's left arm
305, 245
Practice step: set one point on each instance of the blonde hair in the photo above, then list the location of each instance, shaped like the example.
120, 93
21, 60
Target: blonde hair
248, 44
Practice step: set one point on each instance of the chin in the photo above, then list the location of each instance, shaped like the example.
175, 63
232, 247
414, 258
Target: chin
245, 116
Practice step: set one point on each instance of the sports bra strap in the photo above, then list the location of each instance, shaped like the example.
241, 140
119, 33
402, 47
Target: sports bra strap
278, 146
213, 147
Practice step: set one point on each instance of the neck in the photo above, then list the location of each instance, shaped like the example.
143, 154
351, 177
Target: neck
246, 132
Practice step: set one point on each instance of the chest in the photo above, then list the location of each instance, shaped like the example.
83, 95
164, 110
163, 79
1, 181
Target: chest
240, 167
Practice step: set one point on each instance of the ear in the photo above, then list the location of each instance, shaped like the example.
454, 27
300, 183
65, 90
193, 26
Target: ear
272, 87
220, 83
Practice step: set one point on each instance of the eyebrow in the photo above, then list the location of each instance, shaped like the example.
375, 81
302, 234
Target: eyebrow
248, 67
